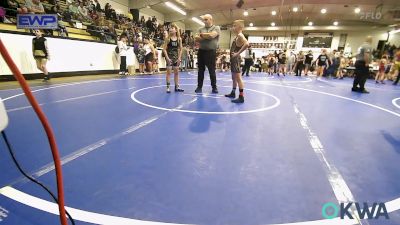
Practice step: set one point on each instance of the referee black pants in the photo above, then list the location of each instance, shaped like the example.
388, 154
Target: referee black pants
122, 65
246, 67
361, 75
206, 58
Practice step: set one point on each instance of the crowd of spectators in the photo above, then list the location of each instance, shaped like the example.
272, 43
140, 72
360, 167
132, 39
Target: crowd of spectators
104, 23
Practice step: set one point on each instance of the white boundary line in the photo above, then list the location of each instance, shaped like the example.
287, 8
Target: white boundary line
349, 86
276, 104
69, 99
394, 102
96, 218
42, 88
258, 78
95, 146
334, 95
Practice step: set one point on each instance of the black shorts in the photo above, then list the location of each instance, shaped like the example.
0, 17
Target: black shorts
174, 64
361, 68
235, 64
149, 57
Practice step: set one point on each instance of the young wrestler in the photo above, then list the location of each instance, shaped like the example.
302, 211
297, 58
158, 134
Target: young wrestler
239, 44
172, 51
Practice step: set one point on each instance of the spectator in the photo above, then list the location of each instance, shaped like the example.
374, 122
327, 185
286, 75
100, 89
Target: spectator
291, 62
150, 54
191, 59
113, 14
149, 24
184, 58
308, 62
83, 12
53, 2
123, 48
322, 62
98, 6
142, 22
41, 54
35, 6
141, 54
107, 11
396, 67
300, 63
111, 34
73, 9
10, 9
127, 34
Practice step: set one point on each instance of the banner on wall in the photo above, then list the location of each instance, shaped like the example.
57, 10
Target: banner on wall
317, 40
272, 42
37, 21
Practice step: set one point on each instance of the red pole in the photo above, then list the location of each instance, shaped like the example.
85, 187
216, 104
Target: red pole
46, 125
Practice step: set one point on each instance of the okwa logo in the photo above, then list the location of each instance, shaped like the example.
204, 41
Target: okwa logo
331, 210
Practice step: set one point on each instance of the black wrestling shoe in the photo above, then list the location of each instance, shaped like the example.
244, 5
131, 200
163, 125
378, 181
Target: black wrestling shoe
177, 89
231, 95
364, 91
214, 91
198, 90
238, 100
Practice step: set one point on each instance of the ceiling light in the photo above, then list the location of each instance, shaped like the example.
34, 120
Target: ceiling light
335, 23
251, 24
198, 21
310, 23
357, 10
273, 13
245, 13
323, 11
295, 9
176, 8
273, 24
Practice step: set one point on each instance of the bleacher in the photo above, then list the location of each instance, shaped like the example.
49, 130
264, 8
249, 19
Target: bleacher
73, 32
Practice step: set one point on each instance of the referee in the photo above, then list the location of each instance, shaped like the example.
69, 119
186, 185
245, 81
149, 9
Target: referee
208, 38
363, 59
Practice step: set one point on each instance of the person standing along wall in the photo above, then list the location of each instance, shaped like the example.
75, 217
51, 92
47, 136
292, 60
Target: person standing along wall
123, 48
150, 54
41, 53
